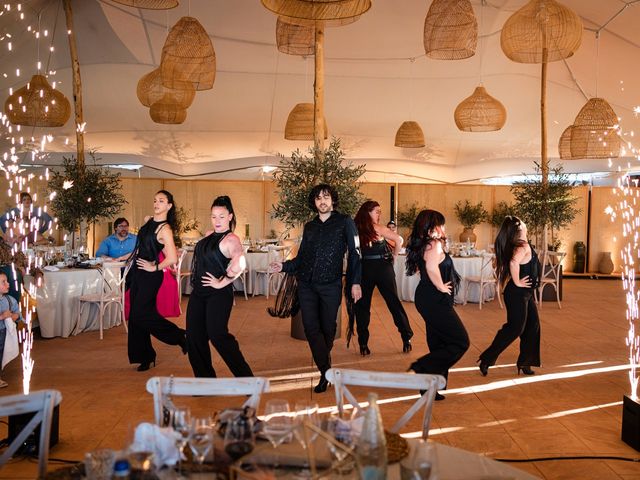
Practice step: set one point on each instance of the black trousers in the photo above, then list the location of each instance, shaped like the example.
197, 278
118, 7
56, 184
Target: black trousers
523, 322
208, 320
319, 305
380, 273
144, 319
446, 336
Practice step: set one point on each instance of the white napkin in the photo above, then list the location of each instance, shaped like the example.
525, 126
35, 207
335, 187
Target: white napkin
51, 268
11, 349
161, 441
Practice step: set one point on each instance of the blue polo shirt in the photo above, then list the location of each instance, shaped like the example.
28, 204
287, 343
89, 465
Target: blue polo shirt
11, 304
113, 247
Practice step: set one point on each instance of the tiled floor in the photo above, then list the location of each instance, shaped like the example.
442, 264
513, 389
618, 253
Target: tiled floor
571, 407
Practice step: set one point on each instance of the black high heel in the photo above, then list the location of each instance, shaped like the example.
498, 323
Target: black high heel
144, 366
183, 345
484, 368
438, 396
364, 350
525, 370
322, 385
406, 346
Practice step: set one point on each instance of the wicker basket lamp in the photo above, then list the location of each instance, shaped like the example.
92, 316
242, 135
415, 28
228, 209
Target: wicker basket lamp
450, 30
410, 135
331, 12
150, 90
480, 113
564, 144
539, 25
37, 104
188, 56
594, 134
166, 111
299, 124
150, 4
295, 39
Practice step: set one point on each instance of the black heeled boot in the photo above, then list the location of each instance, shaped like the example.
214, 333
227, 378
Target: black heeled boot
406, 346
183, 345
322, 385
144, 366
484, 367
364, 350
525, 371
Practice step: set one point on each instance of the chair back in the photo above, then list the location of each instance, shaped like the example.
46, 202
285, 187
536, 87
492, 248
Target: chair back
551, 262
183, 253
341, 378
488, 269
42, 404
278, 253
160, 387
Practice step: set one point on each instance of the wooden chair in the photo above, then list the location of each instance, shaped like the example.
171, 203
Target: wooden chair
41, 403
550, 274
486, 278
160, 387
275, 253
243, 275
181, 273
431, 383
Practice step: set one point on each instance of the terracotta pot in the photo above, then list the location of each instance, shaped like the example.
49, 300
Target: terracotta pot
606, 264
467, 235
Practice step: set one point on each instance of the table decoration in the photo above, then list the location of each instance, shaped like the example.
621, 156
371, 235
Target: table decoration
149, 437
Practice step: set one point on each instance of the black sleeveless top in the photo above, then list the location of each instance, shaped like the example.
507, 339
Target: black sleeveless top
531, 269
448, 274
207, 257
148, 247
377, 250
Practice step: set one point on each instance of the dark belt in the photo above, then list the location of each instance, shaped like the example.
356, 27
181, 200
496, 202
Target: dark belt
373, 257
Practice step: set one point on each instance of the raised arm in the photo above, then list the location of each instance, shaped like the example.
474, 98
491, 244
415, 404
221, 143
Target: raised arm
393, 238
231, 248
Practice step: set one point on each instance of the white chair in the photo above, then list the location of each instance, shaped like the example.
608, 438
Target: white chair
41, 403
486, 278
550, 274
275, 253
181, 273
431, 383
160, 387
110, 292
243, 275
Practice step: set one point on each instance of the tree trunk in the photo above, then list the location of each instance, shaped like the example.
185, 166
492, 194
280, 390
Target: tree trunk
77, 83
544, 160
318, 93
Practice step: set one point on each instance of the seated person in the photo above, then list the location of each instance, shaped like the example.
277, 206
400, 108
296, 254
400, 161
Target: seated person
9, 311
26, 211
120, 244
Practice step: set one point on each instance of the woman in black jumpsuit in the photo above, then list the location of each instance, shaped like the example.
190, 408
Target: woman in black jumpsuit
377, 271
518, 266
146, 277
446, 336
217, 261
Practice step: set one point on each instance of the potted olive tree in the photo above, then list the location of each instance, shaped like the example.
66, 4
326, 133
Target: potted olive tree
470, 215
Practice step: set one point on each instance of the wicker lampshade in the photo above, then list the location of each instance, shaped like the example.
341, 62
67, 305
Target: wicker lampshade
564, 144
150, 4
331, 12
541, 24
480, 113
150, 90
410, 135
594, 131
300, 123
188, 56
37, 104
294, 39
450, 30
167, 111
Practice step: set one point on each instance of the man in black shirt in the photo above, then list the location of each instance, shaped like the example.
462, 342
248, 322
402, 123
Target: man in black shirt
318, 267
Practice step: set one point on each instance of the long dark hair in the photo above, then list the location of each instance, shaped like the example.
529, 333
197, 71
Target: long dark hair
364, 222
172, 218
420, 237
506, 242
317, 190
225, 201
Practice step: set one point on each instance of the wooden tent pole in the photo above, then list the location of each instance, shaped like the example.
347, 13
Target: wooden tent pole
318, 92
77, 83
544, 160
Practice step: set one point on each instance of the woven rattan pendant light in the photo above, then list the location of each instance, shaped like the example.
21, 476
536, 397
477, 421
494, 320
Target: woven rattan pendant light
188, 56
331, 12
150, 4
564, 144
410, 135
166, 111
539, 25
299, 124
294, 39
37, 104
150, 90
594, 132
450, 30
480, 113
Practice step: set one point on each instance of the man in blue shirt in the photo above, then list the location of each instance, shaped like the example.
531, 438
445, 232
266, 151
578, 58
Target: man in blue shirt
44, 220
120, 244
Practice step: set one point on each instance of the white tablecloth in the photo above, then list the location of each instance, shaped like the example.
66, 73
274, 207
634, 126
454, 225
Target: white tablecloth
456, 464
57, 302
465, 266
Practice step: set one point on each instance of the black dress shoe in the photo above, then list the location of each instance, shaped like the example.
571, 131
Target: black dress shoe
406, 346
322, 385
144, 366
484, 368
526, 371
364, 350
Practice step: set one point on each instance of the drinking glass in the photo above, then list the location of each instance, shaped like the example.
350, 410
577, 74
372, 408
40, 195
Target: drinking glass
201, 438
277, 421
181, 424
341, 431
238, 437
306, 412
98, 464
421, 463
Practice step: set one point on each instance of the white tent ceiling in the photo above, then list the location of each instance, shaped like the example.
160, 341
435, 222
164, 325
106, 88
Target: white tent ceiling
371, 84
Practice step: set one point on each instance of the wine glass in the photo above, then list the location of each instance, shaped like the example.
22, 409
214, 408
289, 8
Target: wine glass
238, 437
201, 438
340, 430
181, 424
306, 412
277, 421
